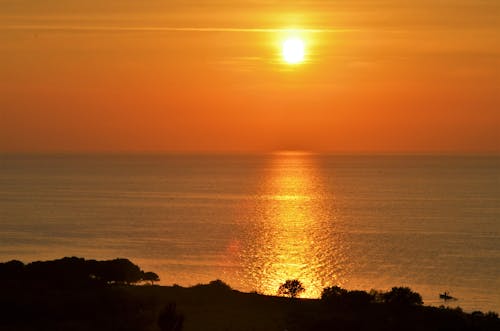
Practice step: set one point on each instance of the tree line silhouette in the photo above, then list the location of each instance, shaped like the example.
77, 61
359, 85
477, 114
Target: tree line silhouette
398, 296
76, 271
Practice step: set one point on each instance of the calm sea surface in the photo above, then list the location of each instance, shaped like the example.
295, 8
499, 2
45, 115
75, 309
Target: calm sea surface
361, 222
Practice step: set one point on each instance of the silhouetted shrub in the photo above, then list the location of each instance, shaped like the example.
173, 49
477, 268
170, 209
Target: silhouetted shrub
169, 319
402, 296
219, 285
214, 289
291, 288
491, 315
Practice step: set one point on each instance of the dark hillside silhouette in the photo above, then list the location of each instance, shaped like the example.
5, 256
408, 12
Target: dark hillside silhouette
77, 294
170, 319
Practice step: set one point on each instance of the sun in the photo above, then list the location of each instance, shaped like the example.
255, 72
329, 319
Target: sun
293, 50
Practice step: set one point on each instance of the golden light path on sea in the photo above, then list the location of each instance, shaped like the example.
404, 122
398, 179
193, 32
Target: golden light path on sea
294, 229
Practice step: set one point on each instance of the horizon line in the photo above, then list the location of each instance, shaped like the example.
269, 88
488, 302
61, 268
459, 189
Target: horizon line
243, 153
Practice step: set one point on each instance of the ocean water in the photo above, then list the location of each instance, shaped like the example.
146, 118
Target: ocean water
361, 222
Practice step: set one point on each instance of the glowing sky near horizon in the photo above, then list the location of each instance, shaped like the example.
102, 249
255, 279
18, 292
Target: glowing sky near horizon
197, 76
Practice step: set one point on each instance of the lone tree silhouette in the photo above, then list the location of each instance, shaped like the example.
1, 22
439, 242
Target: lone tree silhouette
291, 288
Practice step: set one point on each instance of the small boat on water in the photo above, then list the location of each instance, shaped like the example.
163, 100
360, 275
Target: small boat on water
446, 296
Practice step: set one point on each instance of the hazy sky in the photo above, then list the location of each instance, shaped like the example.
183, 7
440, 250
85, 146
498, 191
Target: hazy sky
191, 76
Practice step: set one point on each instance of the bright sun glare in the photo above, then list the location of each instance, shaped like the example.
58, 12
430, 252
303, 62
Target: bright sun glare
293, 50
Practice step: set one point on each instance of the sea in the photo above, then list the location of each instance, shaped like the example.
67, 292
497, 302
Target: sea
364, 222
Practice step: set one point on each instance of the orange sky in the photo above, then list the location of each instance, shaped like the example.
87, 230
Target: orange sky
204, 76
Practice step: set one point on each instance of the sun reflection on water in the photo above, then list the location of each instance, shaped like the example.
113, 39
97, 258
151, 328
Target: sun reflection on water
293, 229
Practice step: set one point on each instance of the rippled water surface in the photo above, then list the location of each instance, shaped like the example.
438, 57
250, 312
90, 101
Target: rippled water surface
361, 222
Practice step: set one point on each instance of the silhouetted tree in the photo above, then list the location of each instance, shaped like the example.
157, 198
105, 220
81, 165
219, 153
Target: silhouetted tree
333, 294
377, 296
68, 271
74, 271
291, 288
119, 271
358, 298
170, 319
402, 296
150, 277
338, 295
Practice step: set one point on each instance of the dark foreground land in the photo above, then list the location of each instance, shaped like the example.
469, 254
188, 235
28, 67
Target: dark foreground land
77, 294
